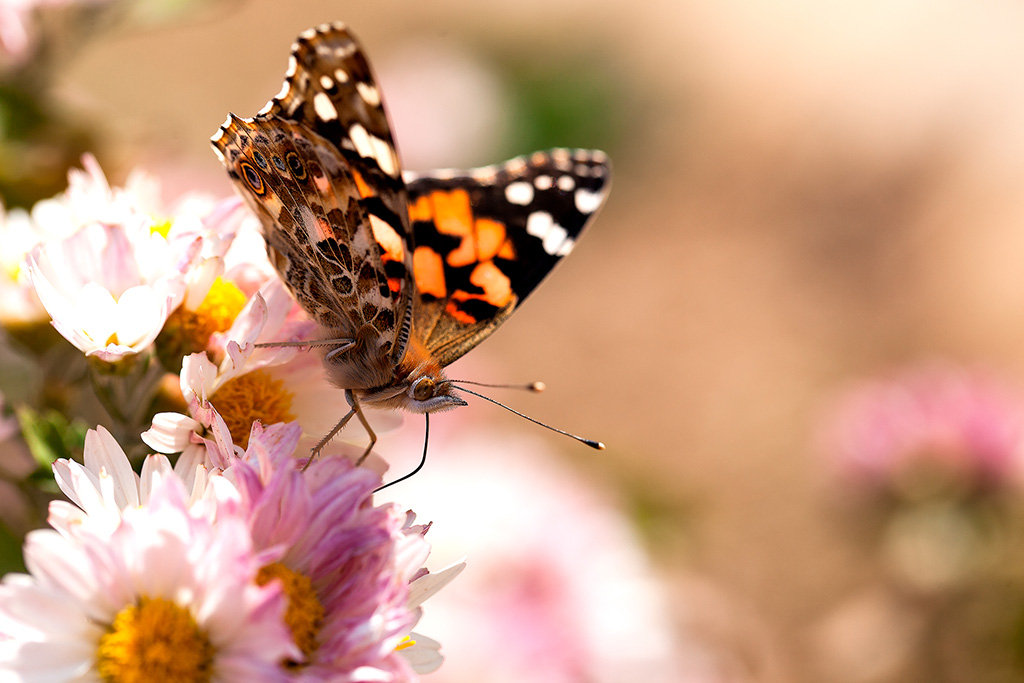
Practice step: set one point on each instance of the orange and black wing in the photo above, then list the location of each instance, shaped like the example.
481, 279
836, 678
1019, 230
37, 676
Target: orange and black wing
484, 239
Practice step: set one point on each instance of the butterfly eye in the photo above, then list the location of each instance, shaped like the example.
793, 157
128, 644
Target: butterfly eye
295, 165
423, 388
253, 179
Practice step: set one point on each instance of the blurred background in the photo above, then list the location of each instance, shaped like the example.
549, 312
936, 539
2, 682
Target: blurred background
798, 323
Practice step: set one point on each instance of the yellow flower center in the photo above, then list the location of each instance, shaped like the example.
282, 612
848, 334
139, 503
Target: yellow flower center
305, 614
406, 642
155, 641
189, 331
249, 397
162, 228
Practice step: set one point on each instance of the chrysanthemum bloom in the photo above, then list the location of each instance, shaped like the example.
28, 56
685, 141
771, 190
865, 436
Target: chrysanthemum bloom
101, 490
268, 384
926, 427
166, 596
352, 571
110, 285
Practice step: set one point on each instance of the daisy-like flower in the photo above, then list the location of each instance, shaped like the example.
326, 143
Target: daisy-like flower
269, 384
166, 596
112, 282
352, 571
101, 490
929, 426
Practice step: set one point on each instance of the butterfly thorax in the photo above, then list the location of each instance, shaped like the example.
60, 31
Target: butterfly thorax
417, 383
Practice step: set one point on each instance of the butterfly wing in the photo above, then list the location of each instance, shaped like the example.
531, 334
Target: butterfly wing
486, 238
319, 166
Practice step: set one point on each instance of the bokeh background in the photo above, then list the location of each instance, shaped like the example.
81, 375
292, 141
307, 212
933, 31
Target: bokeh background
806, 195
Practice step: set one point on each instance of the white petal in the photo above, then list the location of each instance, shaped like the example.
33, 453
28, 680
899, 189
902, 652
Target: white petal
426, 586
171, 432
103, 454
424, 656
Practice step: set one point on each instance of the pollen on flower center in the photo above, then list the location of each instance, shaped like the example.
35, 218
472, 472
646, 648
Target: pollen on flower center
162, 228
187, 331
154, 641
249, 397
305, 613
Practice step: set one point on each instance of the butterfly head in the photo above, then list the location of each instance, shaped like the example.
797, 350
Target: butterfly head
425, 390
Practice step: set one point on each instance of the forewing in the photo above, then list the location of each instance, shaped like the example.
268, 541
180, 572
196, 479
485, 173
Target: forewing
484, 239
319, 167
329, 86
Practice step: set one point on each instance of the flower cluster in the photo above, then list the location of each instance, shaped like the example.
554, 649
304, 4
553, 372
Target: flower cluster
228, 562
928, 426
256, 572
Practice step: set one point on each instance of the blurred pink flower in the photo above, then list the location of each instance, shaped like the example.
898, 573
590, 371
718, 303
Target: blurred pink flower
557, 587
965, 427
17, 25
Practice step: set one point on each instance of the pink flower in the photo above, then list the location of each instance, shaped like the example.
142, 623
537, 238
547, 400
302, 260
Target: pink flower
961, 425
557, 588
353, 570
166, 595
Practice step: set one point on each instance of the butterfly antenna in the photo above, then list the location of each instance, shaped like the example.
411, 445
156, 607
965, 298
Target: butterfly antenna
423, 460
590, 442
535, 387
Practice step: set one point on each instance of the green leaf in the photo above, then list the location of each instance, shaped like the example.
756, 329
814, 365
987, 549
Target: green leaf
50, 435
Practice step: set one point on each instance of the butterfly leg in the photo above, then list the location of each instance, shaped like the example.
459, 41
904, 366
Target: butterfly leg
330, 435
366, 425
343, 344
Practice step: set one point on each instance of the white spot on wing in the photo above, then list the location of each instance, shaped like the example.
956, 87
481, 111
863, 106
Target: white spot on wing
293, 64
266, 108
554, 239
587, 202
324, 107
285, 87
542, 182
566, 183
566, 247
519, 192
361, 139
539, 223
341, 75
326, 82
369, 93
385, 156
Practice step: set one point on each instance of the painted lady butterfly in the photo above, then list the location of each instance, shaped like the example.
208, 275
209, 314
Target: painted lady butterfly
405, 273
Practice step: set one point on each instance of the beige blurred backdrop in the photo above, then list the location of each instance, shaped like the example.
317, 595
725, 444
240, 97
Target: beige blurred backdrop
805, 192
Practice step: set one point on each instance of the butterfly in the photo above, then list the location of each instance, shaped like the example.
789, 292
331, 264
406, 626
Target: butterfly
404, 273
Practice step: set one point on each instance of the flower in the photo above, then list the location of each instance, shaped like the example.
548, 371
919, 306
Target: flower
111, 282
558, 588
101, 490
928, 426
164, 596
352, 571
270, 384
17, 26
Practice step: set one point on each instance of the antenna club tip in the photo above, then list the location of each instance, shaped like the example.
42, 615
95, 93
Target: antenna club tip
538, 387
596, 445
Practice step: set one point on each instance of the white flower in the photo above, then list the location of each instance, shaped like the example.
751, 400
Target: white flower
166, 596
110, 282
269, 384
106, 486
